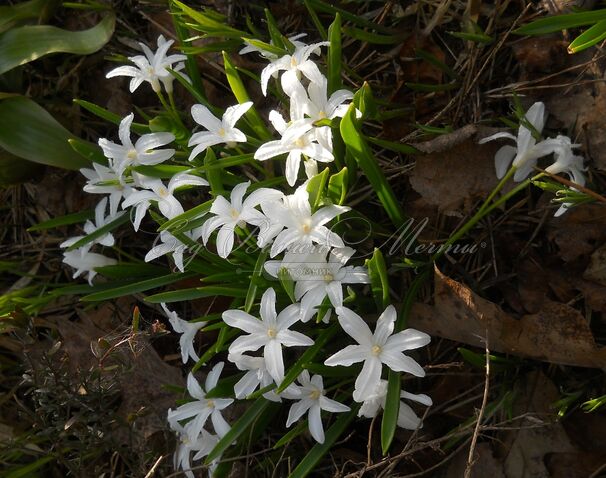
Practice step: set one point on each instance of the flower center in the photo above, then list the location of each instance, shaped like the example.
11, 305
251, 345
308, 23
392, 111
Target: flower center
306, 227
221, 132
293, 62
271, 333
315, 394
299, 143
234, 214
328, 278
210, 403
376, 350
132, 154
322, 114
163, 192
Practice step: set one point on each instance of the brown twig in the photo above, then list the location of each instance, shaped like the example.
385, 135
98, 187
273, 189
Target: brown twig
476, 431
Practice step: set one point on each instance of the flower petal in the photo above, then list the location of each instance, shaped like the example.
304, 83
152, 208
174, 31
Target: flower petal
274, 361
368, 379
354, 326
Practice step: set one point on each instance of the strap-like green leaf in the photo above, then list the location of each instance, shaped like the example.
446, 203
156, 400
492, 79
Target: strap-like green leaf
589, 37
310, 460
136, 287
561, 22
238, 428
27, 130
24, 44
358, 148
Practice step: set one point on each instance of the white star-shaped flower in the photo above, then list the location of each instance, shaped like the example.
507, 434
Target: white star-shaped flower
89, 227
294, 65
237, 212
169, 244
201, 408
151, 68
203, 445
524, 156
256, 375
316, 276
85, 261
407, 418
301, 227
382, 347
163, 195
188, 331
104, 180
298, 140
271, 333
311, 399
219, 131
249, 48
142, 152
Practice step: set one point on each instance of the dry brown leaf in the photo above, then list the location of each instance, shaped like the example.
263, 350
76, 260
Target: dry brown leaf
557, 333
456, 171
526, 448
596, 271
585, 109
577, 232
484, 465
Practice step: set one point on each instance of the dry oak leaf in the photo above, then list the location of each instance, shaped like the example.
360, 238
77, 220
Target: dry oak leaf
456, 171
557, 333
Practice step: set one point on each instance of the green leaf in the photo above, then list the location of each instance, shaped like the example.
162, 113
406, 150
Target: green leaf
110, 226
24, 44
239, 91
379, 281
136, 287
309, 462
74, 218
561, 22
473, 37
374, 38
287, 283
27, 130
207, 21
391, 411
364, 100
321, 6
89, 151
315, 188
392, 400
308, 356
274, 32
213, 175
182, 220
132, 270
28, 471
238, 428
102, 113
337, 187
161, 171
191, 65
435, 61
358, 148
335, 55
314, 18
393, 146
11, 14
195, 293
588, 38
268, 47
251, 295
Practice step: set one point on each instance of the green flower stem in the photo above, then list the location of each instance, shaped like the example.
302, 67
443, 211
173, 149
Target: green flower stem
173, 107
485, 209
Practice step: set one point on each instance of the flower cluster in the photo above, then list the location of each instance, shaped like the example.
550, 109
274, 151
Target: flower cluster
299, 237
524, 157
